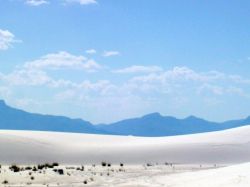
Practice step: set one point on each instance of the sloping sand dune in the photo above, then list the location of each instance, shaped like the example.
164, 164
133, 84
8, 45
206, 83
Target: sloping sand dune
231, 176
29, 147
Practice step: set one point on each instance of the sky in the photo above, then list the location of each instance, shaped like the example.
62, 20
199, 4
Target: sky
108, 60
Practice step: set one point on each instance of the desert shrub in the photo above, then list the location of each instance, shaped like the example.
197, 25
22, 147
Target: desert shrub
40, 167
47, 165
109, 165
55, 164
28, 168
32, 177
80, 168
59, 171
5, 182
14, 168
104, 164
121, 164
148, 164
34, 169
85, 182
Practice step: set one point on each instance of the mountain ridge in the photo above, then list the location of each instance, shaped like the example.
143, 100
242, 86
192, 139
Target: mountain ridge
151, 125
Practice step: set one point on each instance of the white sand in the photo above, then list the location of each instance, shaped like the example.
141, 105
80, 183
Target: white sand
131, 176
232, 176
194, 157
29, 147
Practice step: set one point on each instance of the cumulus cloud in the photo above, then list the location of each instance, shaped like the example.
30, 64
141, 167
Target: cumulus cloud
27, 77
82, 2
214, 89
6, 39
90, 51
183, 79
180, 74
42, 2
139, 69
169, 88
5, 92
36, 2
111, 53
61, 60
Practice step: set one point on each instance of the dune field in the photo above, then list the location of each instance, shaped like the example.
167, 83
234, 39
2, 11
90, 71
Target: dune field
103, 160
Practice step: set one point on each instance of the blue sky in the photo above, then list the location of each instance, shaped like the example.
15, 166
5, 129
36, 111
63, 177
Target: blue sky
106, 60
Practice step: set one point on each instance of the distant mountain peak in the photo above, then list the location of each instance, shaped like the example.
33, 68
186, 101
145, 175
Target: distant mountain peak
2, 103
192, 117
153, 115
248, 118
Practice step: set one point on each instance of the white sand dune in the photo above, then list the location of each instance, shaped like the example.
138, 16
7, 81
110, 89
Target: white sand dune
29, 147
232, 176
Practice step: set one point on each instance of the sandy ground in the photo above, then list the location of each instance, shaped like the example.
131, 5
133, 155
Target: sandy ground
208, 159
131, 176
97, 175
27, 147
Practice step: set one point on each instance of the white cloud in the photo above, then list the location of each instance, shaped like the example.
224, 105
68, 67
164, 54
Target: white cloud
216, 90
36, 2
82, 2
5, 92
90, 51
6, 39
27, 77
180, 74
180, 79
171, 89
42, 2
63, 60
111, 53
26, 102
139, 69
239, 79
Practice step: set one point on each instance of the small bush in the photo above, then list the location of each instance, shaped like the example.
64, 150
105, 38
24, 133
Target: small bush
148, 164
85, 182
60, 171
5, 182
28, 168
14, 168
32, 178
55, 164
104, 164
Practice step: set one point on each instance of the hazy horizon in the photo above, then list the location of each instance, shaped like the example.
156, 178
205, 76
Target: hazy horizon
104, 61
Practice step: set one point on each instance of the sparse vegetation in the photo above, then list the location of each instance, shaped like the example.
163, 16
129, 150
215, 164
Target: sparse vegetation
14, 168
104, 164
5, 182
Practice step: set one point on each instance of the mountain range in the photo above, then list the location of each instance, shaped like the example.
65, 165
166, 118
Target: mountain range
150, 125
